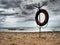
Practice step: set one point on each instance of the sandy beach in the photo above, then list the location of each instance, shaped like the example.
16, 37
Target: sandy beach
42, 38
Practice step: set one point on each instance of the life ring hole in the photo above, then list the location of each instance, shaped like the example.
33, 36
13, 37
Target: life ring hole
41, 17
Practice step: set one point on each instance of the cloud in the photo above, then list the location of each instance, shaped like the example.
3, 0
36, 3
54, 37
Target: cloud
27, 10
54, 5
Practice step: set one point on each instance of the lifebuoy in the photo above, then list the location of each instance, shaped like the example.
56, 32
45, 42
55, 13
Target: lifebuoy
46, 17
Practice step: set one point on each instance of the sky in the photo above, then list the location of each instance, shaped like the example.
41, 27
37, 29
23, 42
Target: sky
21, 13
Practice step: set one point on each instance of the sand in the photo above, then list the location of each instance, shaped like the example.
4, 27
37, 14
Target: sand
43, 38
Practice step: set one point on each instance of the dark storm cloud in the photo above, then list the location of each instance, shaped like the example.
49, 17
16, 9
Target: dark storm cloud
16, 3
54, 5
10, 3
30, 7
26, 13
52, 1
31, 19
8, 14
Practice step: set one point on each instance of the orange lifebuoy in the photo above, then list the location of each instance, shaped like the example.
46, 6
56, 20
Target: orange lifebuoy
46, 17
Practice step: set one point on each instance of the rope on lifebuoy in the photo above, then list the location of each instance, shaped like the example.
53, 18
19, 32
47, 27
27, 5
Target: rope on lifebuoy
46, 17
